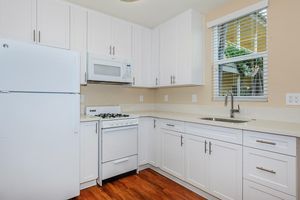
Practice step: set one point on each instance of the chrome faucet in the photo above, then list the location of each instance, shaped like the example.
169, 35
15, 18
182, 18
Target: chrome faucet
232, 110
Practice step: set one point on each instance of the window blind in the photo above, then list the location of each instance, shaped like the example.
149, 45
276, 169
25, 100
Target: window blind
241, 57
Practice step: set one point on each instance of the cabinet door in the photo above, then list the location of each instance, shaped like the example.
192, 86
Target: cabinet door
144, 125
88, 151
172, 153
167, 52
78, 38
53, 23
122, 37
18, 19
155, 51
141, 57
99, 34
196, 154
153, 143
183, 50
225, 174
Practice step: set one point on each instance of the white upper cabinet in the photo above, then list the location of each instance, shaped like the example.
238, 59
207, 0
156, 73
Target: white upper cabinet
99, 33
108, 36
45, 22
141, 57
121, 39
78, 38
182, 49
53, 23
18, 19
167, 52
155, 40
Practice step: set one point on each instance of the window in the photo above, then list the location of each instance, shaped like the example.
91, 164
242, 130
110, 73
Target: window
241, 58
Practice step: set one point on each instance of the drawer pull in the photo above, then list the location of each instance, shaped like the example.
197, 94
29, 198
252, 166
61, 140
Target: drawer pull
171, 125
266, 170
121, 161
265, 142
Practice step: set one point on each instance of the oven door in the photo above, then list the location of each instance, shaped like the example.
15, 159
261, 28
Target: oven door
119, 143
107, 70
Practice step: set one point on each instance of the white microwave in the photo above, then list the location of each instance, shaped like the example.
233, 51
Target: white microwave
105, 69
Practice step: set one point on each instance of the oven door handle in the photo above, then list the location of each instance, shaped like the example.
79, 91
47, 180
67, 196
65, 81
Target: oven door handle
119, 128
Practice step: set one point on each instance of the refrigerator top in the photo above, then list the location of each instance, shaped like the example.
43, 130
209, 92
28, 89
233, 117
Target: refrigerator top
26, 67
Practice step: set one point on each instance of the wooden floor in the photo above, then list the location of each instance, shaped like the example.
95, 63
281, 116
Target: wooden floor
147, 185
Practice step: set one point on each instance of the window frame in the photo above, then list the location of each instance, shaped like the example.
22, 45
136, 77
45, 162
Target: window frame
217, 63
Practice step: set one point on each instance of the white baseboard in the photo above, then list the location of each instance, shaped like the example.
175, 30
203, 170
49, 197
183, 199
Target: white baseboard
88, 184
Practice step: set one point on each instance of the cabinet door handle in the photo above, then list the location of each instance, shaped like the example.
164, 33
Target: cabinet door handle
110, 50
154, 123
205, 147
210, 151
39, 36
114, 50
181, 140
133, 81
174, 78
266, 170
96, 128
34, 35
265, 142
156, 81
171, 80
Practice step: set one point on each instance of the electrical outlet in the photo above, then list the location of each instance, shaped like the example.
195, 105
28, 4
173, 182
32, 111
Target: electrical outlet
166, 98
141, 98
194, 98
293, 99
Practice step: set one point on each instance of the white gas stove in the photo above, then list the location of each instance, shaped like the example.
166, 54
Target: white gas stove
118, 141
111, 116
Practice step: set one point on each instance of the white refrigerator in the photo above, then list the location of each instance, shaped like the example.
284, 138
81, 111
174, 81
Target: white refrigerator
39, 122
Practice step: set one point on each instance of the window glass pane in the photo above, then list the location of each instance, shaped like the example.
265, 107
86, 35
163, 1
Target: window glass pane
243, 78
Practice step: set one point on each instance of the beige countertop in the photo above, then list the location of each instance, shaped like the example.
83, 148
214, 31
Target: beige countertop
85, 118
275, 127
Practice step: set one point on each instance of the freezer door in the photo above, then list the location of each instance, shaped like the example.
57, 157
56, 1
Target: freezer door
39, 146
34, 68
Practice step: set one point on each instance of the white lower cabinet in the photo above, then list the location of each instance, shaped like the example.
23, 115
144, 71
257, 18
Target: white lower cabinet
148, 146
196, 165
214, 166
225, 170
254, 191
88, 152
172, 153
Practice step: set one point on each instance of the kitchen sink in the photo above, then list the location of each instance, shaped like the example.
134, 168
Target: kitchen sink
224, 120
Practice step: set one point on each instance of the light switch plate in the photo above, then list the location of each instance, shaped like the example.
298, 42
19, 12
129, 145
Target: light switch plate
293, 99
166, 98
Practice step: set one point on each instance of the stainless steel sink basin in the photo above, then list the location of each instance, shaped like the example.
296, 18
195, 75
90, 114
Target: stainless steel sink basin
224, 120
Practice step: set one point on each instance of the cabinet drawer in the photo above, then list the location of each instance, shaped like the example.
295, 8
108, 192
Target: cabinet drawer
117, 167
270, 142
273, 170
218, 133
172, 125
253, 191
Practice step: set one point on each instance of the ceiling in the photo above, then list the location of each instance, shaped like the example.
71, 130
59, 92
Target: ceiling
149, 12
